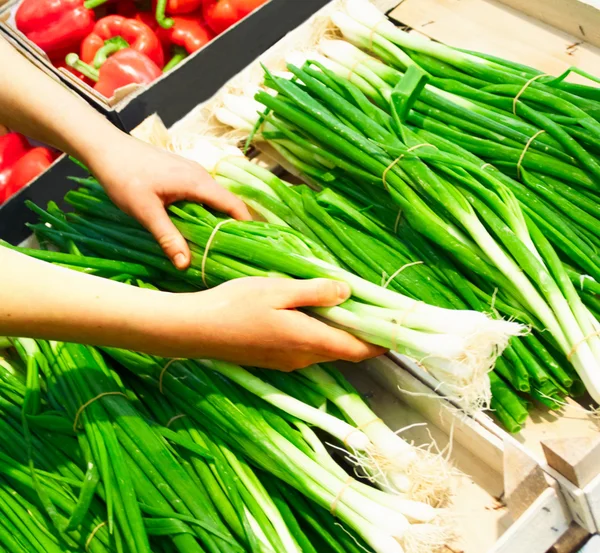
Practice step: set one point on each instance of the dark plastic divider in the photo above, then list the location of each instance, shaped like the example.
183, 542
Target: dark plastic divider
197, 80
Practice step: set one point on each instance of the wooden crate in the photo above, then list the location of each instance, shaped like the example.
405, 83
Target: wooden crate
580, 18
504, 502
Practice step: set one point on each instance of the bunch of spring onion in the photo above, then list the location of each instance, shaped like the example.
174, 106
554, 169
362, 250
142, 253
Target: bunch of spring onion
409, 265
460, 345
42, 471
334, 129
286, 447
390, 461
143, 483
256, 513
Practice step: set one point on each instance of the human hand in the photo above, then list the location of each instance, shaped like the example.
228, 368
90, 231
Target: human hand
254, 322
142, 180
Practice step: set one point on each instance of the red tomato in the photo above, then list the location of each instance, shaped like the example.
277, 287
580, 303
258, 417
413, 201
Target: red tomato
219, 15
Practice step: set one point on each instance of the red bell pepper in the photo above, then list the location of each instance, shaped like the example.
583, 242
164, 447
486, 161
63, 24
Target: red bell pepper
20, 163
13, 146
188, 31
131, 10
126, 66
138, 35
222, 14
179, 7
32, 164
56, 26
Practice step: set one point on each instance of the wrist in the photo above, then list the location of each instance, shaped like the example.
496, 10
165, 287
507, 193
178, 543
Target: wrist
98, 144
169, 324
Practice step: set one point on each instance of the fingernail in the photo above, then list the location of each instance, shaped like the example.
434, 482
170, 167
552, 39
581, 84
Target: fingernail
344, 291
180, 261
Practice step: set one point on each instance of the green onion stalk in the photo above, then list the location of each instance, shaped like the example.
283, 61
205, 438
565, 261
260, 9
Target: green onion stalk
279, 444
475, 215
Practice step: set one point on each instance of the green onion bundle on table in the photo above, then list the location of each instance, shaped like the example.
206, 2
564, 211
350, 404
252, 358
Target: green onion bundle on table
459, 345
491, 164
158, 457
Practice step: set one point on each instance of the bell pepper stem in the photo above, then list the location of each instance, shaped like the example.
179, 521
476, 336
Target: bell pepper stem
111, 46
161, 18
179, 54
91, 4
72, 60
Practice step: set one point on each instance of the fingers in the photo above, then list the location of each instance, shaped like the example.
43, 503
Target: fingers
312, 341
153, 216
207, 191
318, 292
335, 344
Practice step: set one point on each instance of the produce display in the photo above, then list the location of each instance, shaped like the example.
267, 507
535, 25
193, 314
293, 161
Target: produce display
454, 192
110, 45
20, 163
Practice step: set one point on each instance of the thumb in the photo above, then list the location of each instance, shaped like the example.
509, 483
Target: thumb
155, 218
319, 292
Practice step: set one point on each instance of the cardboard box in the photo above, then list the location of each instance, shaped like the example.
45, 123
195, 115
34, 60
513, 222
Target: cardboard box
195, 79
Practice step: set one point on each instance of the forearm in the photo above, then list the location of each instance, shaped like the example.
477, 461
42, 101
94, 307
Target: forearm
40, 300
39, 107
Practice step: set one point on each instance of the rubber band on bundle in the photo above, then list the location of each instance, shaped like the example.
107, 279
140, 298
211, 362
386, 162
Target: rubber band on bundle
338, 497
400, 322
208, 245
353, 69
163, 372
397, 221
525, 87
389, 280
366, 425
349, 435
88, 403
578, 344
215, 170
173, 419
529, 143
391, 165
373, 31
93, 533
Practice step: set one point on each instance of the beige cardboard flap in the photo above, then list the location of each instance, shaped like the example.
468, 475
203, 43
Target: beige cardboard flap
497, 29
